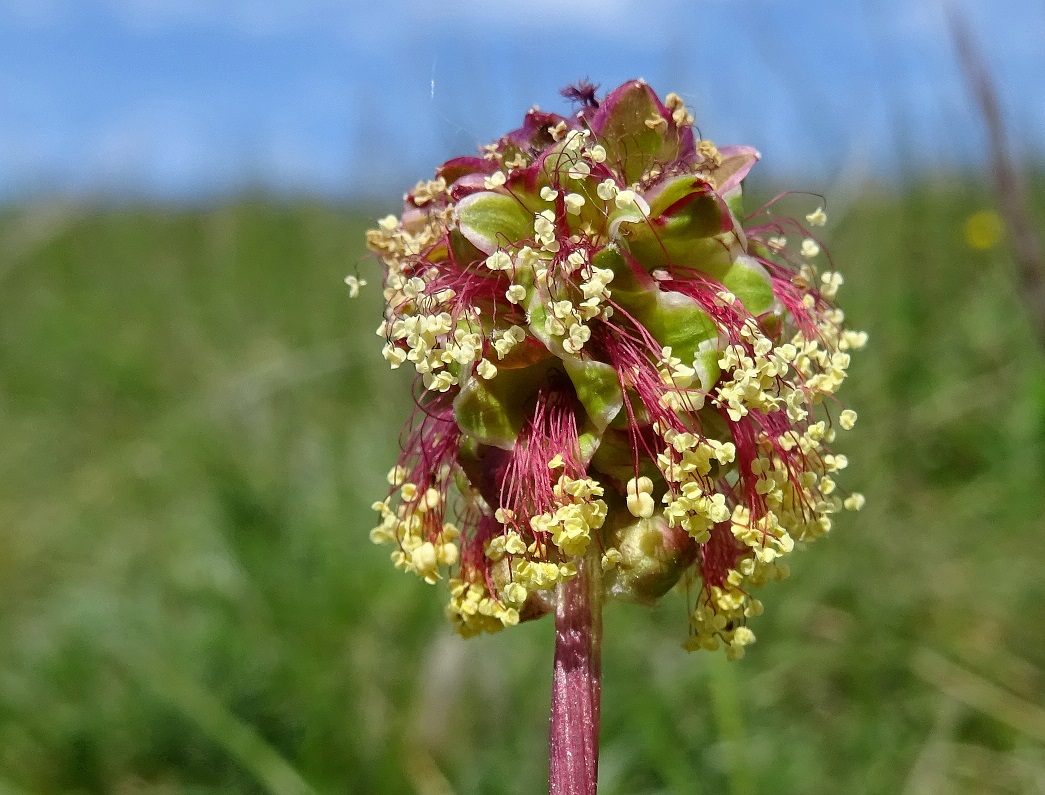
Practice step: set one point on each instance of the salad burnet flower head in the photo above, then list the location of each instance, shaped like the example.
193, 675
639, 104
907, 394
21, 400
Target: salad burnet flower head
615, 364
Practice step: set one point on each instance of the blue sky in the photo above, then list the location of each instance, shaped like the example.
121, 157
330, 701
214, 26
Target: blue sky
189, 99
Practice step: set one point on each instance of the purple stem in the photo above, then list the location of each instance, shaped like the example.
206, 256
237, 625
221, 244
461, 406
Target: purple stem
577, 682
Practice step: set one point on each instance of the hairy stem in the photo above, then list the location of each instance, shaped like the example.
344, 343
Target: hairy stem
577, 682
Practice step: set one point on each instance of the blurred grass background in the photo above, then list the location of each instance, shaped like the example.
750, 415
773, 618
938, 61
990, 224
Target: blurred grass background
194, 419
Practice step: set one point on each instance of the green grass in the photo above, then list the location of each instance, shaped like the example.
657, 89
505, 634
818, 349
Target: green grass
195, 418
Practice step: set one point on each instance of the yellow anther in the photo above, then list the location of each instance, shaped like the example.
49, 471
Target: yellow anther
817, 218
854, 502
354, 283
574, 202
495, 180
499, 261
486, 369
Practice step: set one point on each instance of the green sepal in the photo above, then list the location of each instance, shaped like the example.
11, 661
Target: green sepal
672, 318
632, 143
689, 233
626, 286
677, 321
589, 442
735, 201
491, 220
616, 457
654, 558
598, 389
695, 233
749, 281
493, 412
462, 250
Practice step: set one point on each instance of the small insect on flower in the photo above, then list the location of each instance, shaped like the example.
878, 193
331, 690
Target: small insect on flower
616, 363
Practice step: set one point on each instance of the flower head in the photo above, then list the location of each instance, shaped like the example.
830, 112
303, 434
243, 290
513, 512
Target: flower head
613, 361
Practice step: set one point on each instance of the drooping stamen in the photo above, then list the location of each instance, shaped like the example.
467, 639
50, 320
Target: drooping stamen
549, 437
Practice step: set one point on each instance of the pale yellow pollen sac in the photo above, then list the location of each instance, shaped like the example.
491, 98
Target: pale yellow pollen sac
597, 153
549, 194
657, 122
447, 554
674, 372
515, 593
413, 287
393, 355
574, 202
562, 309
854, 340
810, 248
742, 636
354, 283
577, 259
397, 476
640, 500
499, 261
710, 152
495, 180
777, 242
832, 280
439, 382
514, 544
629, 198
494, 548
527, 257
425, 562
388, 223
515, 294
486, 369
544, 230
579, 170
847, 419
578, 335
817, 218
726, 298
611, 558
575, 140
607, 190
556, 462
679, 114
429, 500
557, 131
854, 502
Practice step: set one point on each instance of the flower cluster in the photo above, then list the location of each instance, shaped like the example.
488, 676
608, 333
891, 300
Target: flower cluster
614, 361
